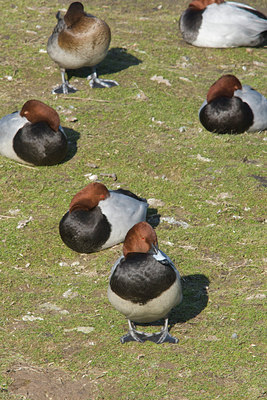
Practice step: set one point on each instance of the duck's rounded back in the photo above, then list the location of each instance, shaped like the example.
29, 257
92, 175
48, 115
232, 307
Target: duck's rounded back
221, 24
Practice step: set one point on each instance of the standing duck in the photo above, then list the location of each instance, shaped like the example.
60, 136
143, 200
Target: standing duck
33, 135
99, 218
233, 108
144, 284
79, 40
219, 23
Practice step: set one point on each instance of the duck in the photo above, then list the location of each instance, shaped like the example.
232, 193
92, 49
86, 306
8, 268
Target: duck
99, 218
221, 24
233, 108
33, 135
144, 285
79, 40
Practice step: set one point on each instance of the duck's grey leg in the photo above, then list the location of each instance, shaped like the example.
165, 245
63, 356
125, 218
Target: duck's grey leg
163, 336
65, 88
96, 82
133, 335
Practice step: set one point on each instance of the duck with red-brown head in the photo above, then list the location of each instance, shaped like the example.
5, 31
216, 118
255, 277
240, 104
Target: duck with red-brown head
33, 135
79, 40
144, 284
233, 108
99, 218
221, 24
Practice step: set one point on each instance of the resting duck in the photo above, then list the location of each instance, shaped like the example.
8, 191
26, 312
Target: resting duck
33, 135
233, 108
219, 23
79, 40
144, 284
99, 218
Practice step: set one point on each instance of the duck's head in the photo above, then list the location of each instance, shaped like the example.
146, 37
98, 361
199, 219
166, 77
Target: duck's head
89, 197
36, 111
74, 13
141, 238
225, 86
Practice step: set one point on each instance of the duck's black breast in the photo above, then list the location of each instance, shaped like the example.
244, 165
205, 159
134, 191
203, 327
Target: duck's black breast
85, 231
140, 278
38, 144
190, 23
226, 115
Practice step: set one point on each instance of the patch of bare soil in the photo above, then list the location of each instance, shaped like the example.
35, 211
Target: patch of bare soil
49, 384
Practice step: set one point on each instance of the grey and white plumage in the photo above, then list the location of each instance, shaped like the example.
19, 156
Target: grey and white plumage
9, 126
222, 25
258, 105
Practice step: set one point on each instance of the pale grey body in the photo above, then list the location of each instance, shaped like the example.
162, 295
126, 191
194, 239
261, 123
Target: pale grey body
258, 104
122, 213
228, 25
9, 126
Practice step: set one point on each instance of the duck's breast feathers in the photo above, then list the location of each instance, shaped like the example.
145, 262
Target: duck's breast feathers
38, 144
258, 105
83, 45
88, 33
143, 289
9, 126
230, 25
122, 213
226, 115
140, 278
85, 231
190, 23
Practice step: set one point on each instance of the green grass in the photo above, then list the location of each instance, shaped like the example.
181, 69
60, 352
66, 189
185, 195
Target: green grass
211, 182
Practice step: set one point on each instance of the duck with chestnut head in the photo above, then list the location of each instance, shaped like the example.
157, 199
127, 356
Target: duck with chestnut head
33, 135
231, 107
144, 285
99, 218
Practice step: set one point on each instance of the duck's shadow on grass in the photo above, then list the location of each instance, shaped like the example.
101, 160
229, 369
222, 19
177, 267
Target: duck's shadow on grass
116, 60
152, 217
72, 138
195, 299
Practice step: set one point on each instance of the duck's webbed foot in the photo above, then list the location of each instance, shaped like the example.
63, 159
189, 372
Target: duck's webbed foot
96, 82
163, 336
133, 335
160, 337
65, 88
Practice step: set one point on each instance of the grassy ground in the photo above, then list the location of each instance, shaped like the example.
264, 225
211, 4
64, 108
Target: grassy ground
147, 133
